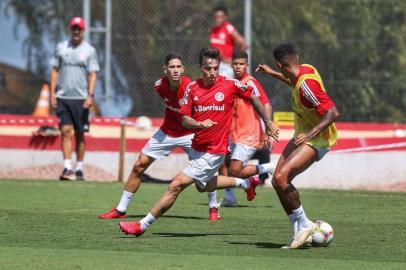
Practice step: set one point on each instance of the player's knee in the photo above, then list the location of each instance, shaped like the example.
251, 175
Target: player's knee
200, 188
235, 171
66, 133
280, 180
175, 187
139, 169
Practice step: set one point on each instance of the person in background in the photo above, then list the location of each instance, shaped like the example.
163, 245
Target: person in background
73, 82
224, 36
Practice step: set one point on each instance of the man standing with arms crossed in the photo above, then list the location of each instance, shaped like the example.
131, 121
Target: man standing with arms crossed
223, 36
315, 134
73, 81
207, 109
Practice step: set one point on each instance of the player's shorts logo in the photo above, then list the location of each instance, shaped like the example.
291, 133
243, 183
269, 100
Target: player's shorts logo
219, 96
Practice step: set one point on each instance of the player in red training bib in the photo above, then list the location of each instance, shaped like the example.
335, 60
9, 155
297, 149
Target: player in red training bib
171, 134
223, 36
207, 108
315, 134
247, 133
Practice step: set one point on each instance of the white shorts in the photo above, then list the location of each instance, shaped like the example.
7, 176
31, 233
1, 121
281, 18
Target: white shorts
241, 151
161, 145
203, 166
226, 70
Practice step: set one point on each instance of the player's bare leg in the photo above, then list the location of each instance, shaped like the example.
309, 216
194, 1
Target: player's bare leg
80, 154
140, 166
130, 188
224, 182
238, 169
66, 143
293, 161
229, 198
178, 184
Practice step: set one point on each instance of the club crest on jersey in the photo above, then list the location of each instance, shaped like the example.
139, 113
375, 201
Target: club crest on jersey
219, 96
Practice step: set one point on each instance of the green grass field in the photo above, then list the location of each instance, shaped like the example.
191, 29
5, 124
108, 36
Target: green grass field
54, 225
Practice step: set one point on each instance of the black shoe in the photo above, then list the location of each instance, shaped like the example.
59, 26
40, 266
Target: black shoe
79, 175
67, 175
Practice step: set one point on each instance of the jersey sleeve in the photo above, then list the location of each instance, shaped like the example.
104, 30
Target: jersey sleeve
186, 103
93, 63
313, 96
158, 88
56, 59
258, 90
230, 28
242, 90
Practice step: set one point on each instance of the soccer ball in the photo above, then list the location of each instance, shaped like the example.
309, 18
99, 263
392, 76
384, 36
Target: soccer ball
323, 234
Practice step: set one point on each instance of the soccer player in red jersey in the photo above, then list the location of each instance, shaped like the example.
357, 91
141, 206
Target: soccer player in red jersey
171, 134
223, 36
247, 134
315, 134
207, 108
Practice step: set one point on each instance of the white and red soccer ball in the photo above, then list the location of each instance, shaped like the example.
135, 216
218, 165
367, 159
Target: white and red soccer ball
322, 234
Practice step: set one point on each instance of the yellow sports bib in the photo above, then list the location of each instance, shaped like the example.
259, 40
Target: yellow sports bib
306, 119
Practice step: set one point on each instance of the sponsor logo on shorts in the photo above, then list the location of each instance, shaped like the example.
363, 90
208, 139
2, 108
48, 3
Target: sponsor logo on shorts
219, 96
201, 108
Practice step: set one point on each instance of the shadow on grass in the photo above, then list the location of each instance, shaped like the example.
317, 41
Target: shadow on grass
258, 244
185, 235
194, 234
170, 216
243, 206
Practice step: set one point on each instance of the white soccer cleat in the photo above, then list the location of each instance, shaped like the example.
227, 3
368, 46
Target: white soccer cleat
301, 237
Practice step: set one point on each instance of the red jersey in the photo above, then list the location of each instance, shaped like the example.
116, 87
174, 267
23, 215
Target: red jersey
214, 102
311, 94
221, 39
172, 125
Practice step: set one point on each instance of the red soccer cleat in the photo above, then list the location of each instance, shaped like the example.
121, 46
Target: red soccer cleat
214, 214
133, 228
254, 181
114, 213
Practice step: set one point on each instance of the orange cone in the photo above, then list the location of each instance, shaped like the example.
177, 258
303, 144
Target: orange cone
42, 107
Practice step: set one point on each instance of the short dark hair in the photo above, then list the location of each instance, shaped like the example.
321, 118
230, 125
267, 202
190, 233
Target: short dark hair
240, 54
208, 53
171, 56
221, 8
283, 51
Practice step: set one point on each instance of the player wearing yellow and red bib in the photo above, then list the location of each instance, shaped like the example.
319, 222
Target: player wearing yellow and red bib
315, 134
207, 108
171, 134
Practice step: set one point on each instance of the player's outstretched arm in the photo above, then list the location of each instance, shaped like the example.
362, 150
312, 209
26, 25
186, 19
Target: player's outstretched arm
271, 129
265, 69
329, 117
190, 123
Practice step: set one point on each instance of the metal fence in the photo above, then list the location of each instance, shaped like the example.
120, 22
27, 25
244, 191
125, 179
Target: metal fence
358, 46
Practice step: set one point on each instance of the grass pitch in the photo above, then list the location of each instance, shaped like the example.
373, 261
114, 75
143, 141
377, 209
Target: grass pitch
54, 225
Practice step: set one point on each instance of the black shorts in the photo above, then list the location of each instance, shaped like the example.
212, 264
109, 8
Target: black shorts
71, 112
